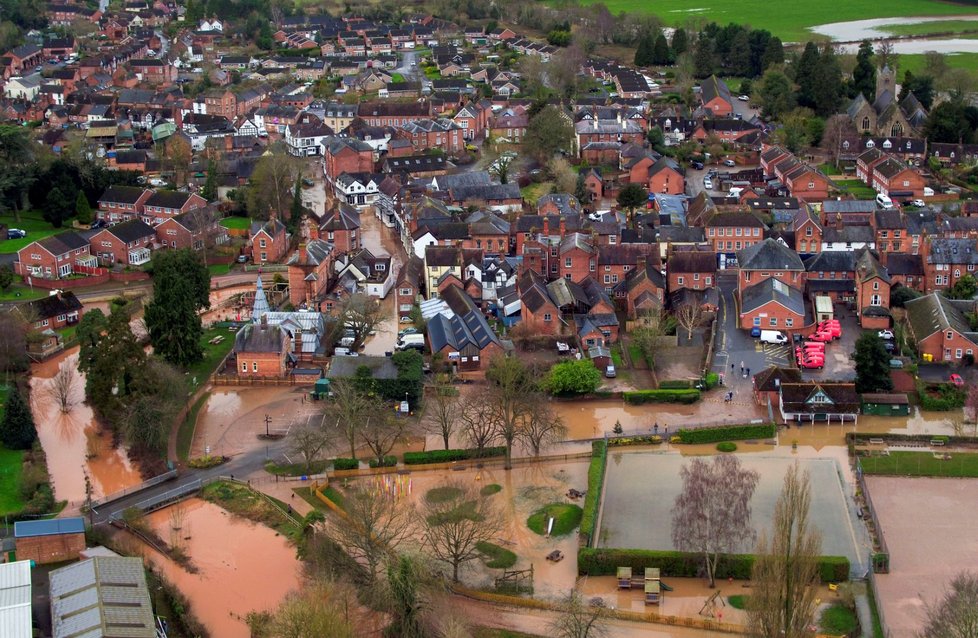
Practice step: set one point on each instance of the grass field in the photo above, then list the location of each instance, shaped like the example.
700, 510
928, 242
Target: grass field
11, 465
838, 620
22, 292
236, 223
856, 188
219, 269
496, 557
915, 63
961, 464
790, 20
33, 223
213, 355
566, 519
930, 28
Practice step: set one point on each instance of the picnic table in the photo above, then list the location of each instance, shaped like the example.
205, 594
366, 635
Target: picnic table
216, 340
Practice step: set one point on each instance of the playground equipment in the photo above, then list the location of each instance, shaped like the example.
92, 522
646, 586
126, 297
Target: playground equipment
650, 583
709, 608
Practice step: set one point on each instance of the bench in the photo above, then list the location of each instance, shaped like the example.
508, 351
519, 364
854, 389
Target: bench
937, 442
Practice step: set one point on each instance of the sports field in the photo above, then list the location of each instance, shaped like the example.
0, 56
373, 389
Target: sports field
640, 489
788, 20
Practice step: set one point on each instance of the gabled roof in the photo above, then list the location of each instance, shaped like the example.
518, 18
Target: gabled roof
770, 379
869, 267
687, 261
122, 194
770, 290
769, 255
934, 313
254, 337
832, 261
63, 242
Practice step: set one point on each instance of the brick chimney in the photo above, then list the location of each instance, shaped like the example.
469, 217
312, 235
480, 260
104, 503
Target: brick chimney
546, 225
302, 252
563, 226
838, 221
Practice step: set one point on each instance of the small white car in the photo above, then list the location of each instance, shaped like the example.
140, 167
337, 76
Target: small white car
919, 203
743, 98
708, 183
886, 334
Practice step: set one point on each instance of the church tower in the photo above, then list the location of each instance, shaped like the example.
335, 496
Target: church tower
886, 81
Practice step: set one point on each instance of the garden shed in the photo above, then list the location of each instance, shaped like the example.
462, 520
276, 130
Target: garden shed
886, 404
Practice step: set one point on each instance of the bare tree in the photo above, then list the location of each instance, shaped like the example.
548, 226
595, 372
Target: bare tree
442, 410
578, 620
272, 181
689, 315
712, 514
13, 342
785, 574
838, 128
511, 393
647, 336
361, 314
541, 428
308, 441
477, 422
563, 174
453, 527
955, 614
62, 386
325, 608
380, 429
343, 413
373, 528
886, 55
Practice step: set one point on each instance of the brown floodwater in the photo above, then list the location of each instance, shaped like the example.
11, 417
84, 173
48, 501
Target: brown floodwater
242, 566
589, 419
69, 438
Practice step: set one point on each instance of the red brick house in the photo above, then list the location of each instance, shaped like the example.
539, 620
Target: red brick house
894, 178
617, 261
693, 269
153, 70
947, 260
808, 231
731, 232
440, 133
190, 230
163, 205
310, 273
805, 183
643, 289
715, 97
346, 155
872, 292
53, 257
55, 311
261, 350
769, 259
127, 243
891, 231
770, 158
772, 305
393, 113
538, 311
341, 228
269, 241
940, 328
122, 203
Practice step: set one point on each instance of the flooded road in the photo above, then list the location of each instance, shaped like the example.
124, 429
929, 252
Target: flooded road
243, 566
232, 418
71, 440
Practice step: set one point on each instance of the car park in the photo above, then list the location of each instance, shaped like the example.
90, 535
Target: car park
886, 334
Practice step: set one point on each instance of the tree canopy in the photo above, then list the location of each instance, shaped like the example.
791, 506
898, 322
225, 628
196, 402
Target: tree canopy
181, 288
872, 364
548, 132
573, 377
17, 431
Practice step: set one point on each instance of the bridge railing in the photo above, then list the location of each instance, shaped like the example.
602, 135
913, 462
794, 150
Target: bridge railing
115, 496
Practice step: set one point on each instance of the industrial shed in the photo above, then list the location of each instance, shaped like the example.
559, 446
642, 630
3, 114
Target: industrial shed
102, 597
49, 541
15, 599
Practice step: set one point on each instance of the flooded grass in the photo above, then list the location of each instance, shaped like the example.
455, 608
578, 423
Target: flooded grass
245, 502
950, 464
11, 467
496, 557
566, 519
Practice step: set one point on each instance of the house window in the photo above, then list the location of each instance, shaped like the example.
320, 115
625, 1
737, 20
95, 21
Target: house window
696, 276
329, 235
789, 322
957, 353
773, 321
740, 232
261, 243
708, 280
808, 231
614, 279
949, 335
592, 266
547, 316
405, 292
607, 279
568, 263
244, 366
876, 300
757, 322
264, 256
757, 232
876, 285
254, 366
680, 280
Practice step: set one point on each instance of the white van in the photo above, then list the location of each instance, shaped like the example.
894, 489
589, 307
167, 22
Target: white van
411, 341
735, 192
883, 201
773, 336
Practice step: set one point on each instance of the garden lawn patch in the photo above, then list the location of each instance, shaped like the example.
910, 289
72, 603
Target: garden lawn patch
635, 354
959, 465
533, 192
219, 269
296, 469
489, 490
499, 557
214, 354
616, 357
566, 519
791, 21
11, 466
737, 601
236, 223
838, 620
20, 291
33, 222
856, 188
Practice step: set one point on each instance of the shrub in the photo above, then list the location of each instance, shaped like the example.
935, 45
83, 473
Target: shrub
573, 378
662, 396
653, 439
387, 461
712, 380
727, 433
566, 518
499, 557
345, 464
595, 480
726, 446
737, 601
492, 488
675, 384
204, 462
447, 456
837, 620
605, 562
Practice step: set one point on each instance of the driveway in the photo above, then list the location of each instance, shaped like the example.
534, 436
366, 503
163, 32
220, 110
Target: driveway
736, 348
380, 240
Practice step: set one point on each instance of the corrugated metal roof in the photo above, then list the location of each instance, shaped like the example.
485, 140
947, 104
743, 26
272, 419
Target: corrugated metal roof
15, 599
97, 596
29, 529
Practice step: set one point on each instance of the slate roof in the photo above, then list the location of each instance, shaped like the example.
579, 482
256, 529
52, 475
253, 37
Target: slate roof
131, 231
769, 379
63, 242
254, 337
843, 398
953, 251
934, 313
773, 290
832, 261
868, 267
848, 234
904, 264
769, 255
687, 261
168, 199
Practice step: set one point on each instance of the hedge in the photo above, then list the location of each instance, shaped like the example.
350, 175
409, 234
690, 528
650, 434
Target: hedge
642, 439
345, 464
447, 456
595, 480
727, 433
675, 384
388, 461
951, 397
605, 562
662, 396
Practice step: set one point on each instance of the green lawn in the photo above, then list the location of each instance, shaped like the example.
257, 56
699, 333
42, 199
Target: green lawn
33, 223
213, 355
838, 620
432, 73
791, 19
856, 188
11, 465
961, 464
737, 601
915, 62
236, 223
635, 354
496, 557
397, 78
22, 292
929, 28
566, 518
616, 357
219, 269
533, 192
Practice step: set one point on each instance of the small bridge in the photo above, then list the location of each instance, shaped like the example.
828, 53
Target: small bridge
129, 491
162, 500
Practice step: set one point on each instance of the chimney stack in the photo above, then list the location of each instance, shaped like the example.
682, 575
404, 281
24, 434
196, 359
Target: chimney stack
563, 226
546, 225
838, 221
302, 252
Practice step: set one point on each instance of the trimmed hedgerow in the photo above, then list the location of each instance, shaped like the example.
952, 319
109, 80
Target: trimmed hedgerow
605, 562
727, 433
661, 396
595, 480
345, 464
447, 456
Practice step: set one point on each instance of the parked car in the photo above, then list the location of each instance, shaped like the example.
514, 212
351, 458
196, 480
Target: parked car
956, 380
773, 336
242, 259
886, 334
822, 335
729, 162
743, 98
708, 183
408, 331
883, 201
609, 372
889, 346
696, 164
896, 363
16, 233
755, 332
919, 203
